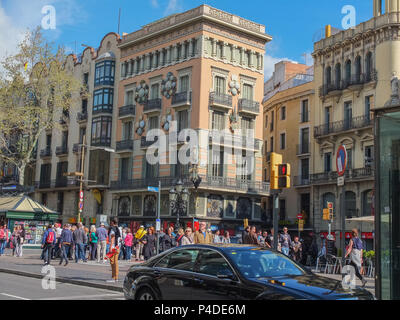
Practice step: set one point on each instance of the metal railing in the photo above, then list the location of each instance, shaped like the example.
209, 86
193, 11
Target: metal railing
221, 99
182, 98
153, 105
207, 181
355, 79
303, 149
129, 110
46, 152
124, 145
145, 144
343, 125
60, 182
302, 181
246, 105
61, 150
350, 174
81, 116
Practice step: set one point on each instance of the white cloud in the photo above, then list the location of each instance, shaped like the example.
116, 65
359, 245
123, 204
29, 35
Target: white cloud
173, 7
20, 15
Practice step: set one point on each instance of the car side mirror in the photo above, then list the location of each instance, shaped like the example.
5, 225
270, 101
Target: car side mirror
226, 275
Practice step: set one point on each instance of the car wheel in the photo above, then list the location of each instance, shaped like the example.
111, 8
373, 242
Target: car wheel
145, 294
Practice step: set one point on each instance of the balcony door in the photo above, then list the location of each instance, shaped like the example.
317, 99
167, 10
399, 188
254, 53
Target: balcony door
348, 115
305, 140
125, 169
305, 169
220, 85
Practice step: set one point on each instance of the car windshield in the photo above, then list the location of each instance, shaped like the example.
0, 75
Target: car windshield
261, 263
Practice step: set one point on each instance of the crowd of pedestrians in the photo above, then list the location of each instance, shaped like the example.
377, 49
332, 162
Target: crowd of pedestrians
12, 240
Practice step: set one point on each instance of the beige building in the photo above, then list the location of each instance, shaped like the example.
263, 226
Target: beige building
353, 70
94, 118
288, 120
203, 69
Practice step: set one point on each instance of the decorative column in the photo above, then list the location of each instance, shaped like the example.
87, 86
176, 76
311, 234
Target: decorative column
200, 46
147, 63
168, 56
123, 70
175, 53
154, 64
141, 67
213, 47
161, 61
233, 51
241, 56
251, 62
190, 48
183, 51
134, 66
224, 50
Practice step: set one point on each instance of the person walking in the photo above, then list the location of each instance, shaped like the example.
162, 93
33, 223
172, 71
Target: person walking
101, 234
3, 238
114, 235
20, 240
93, 240
14, 236
297, 250
355, 251
57, 248
266, 239
139, 243
73, 252
246, 236
217, 237
168, 240
226, 239
80, 239
149, 241
65, 243
202, 236
128, 244
253, 240
122, 250
285, 241
179, 237
48, 242
187, 239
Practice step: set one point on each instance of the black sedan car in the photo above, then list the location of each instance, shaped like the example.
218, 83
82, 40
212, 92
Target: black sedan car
230, 272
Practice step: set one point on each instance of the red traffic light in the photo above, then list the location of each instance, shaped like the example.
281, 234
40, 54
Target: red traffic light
283, 170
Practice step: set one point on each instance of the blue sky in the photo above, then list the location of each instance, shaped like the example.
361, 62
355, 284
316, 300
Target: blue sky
292, 23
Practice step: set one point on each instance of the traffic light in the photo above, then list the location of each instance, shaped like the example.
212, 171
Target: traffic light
330, 209
276, 160
284, 176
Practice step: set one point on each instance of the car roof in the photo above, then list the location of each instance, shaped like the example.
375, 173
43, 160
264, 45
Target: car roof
224, 247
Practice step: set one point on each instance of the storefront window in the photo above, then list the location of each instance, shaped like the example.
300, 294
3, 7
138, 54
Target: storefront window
34, 230
389, 205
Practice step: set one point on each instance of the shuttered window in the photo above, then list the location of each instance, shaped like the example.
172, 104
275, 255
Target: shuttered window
247, 92
218, 120
220, 85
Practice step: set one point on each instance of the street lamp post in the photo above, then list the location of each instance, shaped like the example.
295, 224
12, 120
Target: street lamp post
178, 197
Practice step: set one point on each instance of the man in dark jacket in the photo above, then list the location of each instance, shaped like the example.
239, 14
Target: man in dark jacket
80, 239
65, 243
48, 242
246, 236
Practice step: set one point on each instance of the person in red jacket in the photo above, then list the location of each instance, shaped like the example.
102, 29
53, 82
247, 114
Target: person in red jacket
3, 238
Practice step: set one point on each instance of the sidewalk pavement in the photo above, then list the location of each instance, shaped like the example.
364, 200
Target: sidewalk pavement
370, 286
91, 274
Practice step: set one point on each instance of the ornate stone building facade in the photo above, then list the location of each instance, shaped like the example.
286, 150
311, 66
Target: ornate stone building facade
93, 118
203, 70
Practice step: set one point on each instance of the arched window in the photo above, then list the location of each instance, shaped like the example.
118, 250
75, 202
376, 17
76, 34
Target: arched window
338, 75
368, 66
358, 69
348, 72
351, 204
328, 76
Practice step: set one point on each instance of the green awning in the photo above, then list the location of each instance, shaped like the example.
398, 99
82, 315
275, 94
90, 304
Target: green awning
20, 215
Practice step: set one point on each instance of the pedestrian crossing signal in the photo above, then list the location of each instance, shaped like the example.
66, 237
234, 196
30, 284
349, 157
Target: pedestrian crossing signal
284, 176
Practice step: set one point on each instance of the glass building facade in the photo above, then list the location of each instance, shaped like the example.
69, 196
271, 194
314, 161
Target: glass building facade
388, 204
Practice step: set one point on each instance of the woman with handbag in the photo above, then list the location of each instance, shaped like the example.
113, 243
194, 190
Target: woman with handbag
355, 251
20, 240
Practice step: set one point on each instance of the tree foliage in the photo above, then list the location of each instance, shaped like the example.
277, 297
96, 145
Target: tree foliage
36, 89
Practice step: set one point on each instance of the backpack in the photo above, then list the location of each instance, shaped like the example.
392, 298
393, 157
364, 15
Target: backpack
50, 237
2, 234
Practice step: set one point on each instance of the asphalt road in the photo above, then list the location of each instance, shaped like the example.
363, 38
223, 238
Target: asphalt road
13, 287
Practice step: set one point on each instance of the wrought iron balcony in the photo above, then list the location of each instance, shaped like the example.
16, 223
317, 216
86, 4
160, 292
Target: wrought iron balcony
82, 117
211, 182
181, 99
153, 105
350, 175
46, 152
353, 80
125, 145
343, 125
145, 144
302, 181
220, 99
249, 106
61, 151
303, 149
127, 111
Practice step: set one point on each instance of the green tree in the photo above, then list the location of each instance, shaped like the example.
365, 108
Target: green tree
36, 89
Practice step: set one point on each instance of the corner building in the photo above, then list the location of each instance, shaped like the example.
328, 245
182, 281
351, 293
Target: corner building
203, 69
